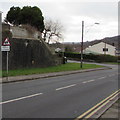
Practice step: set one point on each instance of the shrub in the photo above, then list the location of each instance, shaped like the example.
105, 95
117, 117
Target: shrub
93, 57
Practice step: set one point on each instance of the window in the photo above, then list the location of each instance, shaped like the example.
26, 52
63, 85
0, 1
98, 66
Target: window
105, 49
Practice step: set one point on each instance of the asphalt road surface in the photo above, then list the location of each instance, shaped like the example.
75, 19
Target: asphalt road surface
58, 97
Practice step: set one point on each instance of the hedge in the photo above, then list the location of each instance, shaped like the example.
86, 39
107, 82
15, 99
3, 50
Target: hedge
92, 57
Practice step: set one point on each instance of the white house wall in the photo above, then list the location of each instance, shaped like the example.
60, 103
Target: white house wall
98, 48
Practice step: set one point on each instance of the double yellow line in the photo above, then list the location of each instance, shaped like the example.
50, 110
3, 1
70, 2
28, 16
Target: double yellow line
98, 106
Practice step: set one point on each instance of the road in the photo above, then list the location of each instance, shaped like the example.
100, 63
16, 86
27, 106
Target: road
58, 97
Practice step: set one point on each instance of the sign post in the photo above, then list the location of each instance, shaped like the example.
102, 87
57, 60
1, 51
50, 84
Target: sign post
7, 65
6, 48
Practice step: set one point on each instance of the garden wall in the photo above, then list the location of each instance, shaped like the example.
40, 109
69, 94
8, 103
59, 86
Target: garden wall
28, 53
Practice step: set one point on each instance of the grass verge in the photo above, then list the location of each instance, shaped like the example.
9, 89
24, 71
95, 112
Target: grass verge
60, 68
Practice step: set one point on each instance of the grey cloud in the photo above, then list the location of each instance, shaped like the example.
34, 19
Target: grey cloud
92, 9
105, 12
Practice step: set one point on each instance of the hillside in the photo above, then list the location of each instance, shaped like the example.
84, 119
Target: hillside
76, 47
110, 40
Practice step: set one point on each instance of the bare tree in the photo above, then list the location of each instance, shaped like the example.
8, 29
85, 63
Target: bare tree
53, 31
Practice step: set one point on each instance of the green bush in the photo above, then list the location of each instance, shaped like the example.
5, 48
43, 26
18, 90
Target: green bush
92, 57
106, 58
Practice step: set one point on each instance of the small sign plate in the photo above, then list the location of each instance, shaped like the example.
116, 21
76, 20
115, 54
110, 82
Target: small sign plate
5, 48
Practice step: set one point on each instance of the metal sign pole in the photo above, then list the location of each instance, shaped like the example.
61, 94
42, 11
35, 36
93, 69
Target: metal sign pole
7, 66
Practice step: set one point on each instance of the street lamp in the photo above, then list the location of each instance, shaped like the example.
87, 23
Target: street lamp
81, 58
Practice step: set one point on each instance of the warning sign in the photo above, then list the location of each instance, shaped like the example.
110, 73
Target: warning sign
6, 42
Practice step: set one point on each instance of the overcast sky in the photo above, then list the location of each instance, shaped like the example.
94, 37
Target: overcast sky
71, 13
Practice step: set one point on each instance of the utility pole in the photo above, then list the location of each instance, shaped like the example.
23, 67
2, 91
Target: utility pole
81, 59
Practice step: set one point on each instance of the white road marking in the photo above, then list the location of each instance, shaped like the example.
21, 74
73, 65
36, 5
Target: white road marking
88, 81
21, 98
66, 87
101, 78
112, 75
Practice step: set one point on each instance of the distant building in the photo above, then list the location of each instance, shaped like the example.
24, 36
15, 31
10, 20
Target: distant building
101, 48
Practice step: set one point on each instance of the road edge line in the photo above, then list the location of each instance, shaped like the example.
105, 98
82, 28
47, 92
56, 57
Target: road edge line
97, 105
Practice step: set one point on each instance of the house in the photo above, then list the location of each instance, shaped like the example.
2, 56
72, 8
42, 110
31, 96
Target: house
101, 48
117, 52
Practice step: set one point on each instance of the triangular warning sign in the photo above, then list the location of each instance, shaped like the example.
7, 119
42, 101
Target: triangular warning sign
6, 42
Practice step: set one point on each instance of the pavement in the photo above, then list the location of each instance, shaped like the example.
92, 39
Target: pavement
111, 112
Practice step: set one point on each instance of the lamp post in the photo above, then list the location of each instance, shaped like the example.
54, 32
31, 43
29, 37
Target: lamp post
81, 57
